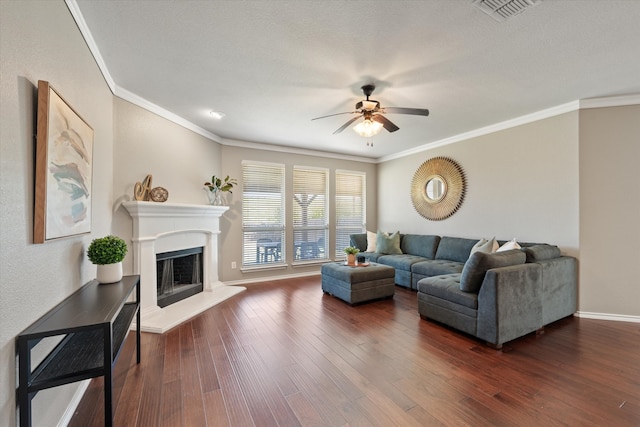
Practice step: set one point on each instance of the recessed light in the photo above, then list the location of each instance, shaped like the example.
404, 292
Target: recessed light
216, 115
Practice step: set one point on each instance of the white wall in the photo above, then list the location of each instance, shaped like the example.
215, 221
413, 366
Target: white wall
39, 40
610, 210
521, 182
178, 159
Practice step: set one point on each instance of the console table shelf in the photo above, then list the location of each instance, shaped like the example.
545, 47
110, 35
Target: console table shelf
94, 322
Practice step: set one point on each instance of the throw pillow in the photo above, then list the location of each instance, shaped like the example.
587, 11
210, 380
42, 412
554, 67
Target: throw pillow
537, 253
511, 244
388, 244
486, 246
371, 241
478, 264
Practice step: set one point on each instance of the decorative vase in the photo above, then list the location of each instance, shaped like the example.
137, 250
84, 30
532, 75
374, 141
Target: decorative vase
215, 197
351, 259
109, 273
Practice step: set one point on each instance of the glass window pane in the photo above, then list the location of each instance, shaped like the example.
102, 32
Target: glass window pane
262, 214
350, 208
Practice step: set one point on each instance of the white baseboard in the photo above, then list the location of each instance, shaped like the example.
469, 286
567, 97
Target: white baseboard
75, 401
608, 316
270, 278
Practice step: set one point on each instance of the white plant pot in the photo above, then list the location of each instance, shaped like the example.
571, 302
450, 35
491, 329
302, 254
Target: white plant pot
109, 273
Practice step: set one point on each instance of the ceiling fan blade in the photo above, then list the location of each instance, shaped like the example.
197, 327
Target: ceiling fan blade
346, 125
337, 114
400, 110
388, 125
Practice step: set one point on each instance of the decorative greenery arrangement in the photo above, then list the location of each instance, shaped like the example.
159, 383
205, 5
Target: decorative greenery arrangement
107, 250
218, 184
350, 250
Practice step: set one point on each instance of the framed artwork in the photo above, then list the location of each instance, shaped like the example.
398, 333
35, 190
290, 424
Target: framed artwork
64, 166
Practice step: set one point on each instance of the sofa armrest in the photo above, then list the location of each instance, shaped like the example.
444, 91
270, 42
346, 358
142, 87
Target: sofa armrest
510, 303
559, 288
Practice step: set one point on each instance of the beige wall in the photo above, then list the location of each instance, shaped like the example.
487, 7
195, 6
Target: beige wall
231, 222
178, 159
610, 210
521, 182
39, 40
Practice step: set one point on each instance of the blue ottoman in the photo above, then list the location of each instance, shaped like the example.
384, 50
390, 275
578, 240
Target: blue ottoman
358, 284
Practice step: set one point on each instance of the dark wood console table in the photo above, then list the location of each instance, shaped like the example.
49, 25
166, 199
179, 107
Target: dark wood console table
94, 321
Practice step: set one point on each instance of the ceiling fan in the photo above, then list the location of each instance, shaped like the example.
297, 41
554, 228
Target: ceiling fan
372, 113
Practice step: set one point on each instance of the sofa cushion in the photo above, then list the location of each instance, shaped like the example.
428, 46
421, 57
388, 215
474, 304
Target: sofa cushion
455, 248
371, 256
388, 243
541, 252
400, 262
371, 241
436, 267
420, 245
486, 246
447, 287
358, 240
478, 264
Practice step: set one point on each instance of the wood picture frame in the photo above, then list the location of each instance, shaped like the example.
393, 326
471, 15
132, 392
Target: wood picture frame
63, 170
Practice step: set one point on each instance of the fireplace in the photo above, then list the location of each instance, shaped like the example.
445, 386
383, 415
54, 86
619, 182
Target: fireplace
179, 275
169, 228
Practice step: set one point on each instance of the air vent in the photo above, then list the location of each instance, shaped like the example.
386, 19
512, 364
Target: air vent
501, 10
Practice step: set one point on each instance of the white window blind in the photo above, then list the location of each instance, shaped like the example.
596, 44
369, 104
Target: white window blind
263, 215
350, 208
310, 213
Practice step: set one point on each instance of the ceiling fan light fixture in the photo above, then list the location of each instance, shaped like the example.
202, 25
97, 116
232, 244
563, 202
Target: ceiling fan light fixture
368, 128
369, 105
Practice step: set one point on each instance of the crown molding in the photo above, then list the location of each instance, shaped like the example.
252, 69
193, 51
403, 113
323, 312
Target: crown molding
72, 5
120, 92
507, 124
150, 106
611, 101
294, 150
614, 101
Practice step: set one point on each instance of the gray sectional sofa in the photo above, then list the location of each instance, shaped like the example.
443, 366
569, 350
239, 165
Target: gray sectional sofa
496, 297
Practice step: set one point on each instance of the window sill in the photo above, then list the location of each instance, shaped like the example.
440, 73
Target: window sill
263, 267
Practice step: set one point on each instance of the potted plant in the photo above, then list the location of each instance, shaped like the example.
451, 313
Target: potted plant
351, 254
218, 185
107, 253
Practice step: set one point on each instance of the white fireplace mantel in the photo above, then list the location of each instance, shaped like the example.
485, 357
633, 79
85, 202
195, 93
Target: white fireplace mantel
166, 227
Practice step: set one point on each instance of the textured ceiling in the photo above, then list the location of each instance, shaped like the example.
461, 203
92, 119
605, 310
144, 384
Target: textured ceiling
272, 66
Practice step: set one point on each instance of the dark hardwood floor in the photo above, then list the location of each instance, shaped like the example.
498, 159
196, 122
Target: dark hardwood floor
284, 354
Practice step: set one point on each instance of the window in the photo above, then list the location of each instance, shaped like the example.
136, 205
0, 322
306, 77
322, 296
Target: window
263, 240
310, 213
350, 208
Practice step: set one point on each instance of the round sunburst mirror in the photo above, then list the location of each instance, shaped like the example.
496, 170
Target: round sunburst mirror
438, 188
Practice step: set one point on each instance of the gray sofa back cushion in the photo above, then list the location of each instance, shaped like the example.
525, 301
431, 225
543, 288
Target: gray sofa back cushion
420, 245
541, 252
479, 262
455, 248
358, 241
